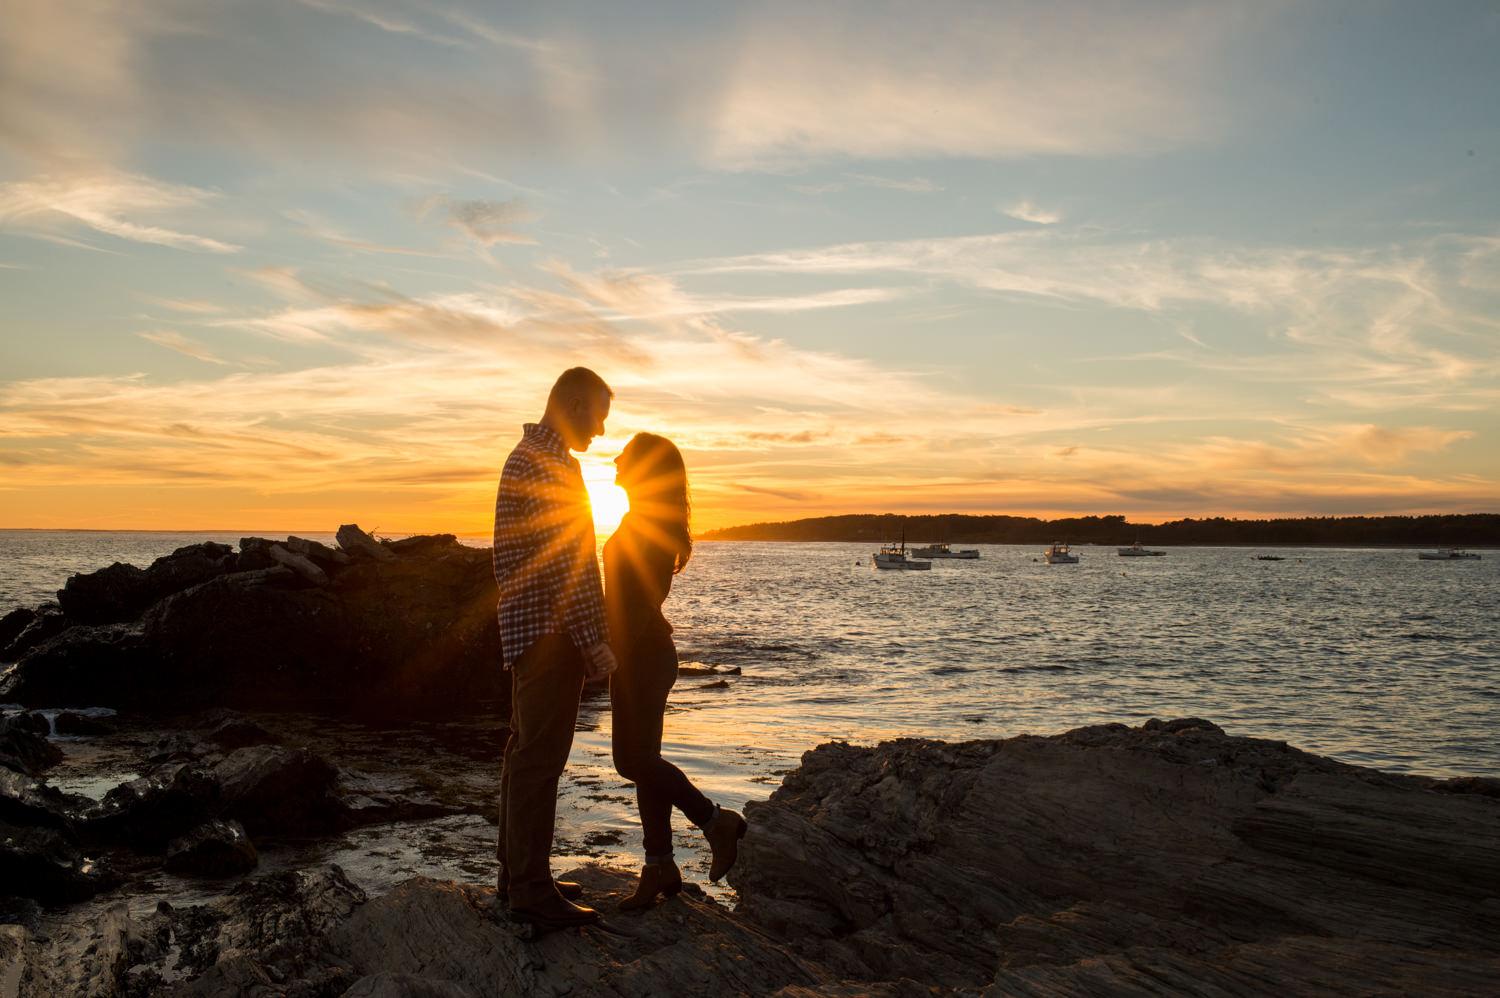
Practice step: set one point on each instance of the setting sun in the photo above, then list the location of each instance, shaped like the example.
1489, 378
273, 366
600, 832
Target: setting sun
608, 499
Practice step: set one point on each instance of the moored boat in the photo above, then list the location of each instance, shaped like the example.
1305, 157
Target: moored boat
1136, 551
894, 556
942, 550
1058, 554
1447, 554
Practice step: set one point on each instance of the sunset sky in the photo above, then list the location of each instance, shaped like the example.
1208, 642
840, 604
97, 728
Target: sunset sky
288, 264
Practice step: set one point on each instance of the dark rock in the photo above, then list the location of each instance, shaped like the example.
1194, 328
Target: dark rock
361, 545
279, 791
33, 721
25, 800
255, 554
122, 592
22, 749
46, 864
47, 622
109, 596
416, 633
215, 849
238, 732
73, 723
321, 553
13, 623
149, 812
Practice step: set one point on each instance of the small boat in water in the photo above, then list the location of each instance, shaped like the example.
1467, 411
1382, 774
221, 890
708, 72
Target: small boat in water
1058, 554
1136, 551
1446, 554
894, 556
942, 550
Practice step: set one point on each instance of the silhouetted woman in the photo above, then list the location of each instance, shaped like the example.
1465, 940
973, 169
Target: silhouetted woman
651, 545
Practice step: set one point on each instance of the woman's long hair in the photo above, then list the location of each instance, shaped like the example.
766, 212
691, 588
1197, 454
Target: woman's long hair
658, 489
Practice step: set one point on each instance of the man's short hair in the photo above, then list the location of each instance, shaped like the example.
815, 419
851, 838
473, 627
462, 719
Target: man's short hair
576, 382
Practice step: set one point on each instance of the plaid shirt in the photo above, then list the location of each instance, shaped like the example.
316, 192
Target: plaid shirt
544, 553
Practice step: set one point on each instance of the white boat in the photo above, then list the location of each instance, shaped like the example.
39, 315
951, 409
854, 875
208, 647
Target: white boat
1446, 554
942, 550
1136, 551
1058, 554
894, 556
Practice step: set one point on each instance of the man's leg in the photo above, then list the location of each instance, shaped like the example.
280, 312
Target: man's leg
547, 682
501, 882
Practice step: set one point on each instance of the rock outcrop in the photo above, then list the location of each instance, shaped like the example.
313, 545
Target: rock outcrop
1166, 859
1169, 859
380, 628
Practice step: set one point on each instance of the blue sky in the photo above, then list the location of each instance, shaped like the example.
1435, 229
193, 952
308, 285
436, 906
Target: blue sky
301, 262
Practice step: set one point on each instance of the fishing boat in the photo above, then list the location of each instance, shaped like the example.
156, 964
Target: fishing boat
942, 550
894, 556
1058, 554
1446, 554
1136, 551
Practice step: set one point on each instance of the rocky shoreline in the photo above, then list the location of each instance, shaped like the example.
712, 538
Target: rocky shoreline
1169, 858
1165, 859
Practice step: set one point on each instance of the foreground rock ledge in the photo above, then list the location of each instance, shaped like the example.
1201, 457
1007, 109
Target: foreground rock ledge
1165, 859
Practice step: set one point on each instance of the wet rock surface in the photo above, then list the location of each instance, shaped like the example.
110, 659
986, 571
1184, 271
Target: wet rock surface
1164, 859
277, 625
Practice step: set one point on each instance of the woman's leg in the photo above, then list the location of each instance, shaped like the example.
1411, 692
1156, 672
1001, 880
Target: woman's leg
638, 708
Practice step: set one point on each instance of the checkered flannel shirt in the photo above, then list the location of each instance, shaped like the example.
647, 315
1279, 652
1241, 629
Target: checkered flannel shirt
544, 554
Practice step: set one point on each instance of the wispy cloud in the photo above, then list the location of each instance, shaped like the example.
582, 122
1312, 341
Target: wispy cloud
182, 344
196, 306
105, 203
1028, 212
383, 21
915, 185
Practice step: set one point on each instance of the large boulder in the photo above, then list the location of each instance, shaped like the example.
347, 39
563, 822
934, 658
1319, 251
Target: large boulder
275, 790
22, 748
216, 849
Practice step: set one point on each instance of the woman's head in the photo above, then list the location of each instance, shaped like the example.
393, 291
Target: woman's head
651, 471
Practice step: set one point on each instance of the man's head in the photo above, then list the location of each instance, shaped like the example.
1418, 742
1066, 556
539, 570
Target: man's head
577, 407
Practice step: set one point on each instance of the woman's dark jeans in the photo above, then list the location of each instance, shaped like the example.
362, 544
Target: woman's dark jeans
638, 700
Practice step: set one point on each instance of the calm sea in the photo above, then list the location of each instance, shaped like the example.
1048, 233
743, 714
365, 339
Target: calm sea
1370, 656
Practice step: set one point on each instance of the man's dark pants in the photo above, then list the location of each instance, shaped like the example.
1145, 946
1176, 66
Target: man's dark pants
546, 683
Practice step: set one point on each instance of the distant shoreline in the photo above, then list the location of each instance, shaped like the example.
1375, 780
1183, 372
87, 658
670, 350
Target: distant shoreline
1463, 530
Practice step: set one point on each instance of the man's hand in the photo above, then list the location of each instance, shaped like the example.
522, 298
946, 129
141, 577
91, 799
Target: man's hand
598, 662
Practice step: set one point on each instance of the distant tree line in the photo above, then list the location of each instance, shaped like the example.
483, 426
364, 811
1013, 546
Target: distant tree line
1458, 530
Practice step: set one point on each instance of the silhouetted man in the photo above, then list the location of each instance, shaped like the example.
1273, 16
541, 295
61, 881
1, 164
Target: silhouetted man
552, 628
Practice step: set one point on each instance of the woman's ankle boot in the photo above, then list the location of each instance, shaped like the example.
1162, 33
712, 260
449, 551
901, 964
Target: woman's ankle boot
724, 839
661, 878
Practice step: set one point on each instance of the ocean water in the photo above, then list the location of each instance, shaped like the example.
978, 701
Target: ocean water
1372, 657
